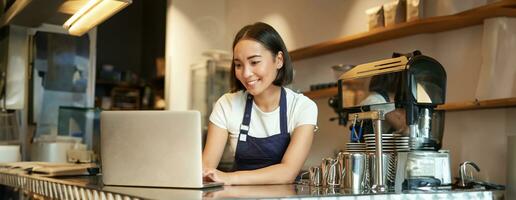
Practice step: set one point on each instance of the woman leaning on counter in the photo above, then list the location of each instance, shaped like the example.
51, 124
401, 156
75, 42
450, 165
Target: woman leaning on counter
270, 127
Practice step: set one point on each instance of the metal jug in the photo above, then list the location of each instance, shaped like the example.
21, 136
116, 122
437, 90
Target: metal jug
353, 171
316, 177
331, 172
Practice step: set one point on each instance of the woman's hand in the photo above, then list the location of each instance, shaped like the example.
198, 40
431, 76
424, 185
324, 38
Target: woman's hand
217, 176
396, 119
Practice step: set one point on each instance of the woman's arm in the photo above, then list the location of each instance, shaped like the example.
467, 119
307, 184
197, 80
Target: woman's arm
282, 173
215, 143
396, 119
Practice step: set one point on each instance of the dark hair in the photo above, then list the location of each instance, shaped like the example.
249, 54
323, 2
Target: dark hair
271, 40
385, 84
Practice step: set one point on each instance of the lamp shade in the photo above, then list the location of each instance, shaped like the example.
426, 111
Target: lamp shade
92, 14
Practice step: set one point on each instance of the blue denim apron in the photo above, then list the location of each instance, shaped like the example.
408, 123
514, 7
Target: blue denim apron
255, 153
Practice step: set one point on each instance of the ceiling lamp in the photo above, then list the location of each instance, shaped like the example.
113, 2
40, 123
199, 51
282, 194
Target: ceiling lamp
92, 14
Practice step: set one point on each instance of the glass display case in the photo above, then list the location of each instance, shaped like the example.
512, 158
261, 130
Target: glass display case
210, 80
82, 123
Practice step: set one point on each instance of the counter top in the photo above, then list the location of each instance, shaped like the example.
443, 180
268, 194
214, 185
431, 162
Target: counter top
91, 187
289, 191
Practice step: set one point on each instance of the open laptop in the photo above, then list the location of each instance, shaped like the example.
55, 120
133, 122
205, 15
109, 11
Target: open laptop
152, 149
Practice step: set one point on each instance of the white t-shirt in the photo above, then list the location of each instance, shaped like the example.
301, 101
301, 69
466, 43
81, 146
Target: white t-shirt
228, 113
377, 102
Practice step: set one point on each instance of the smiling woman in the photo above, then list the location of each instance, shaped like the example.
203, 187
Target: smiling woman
270, 128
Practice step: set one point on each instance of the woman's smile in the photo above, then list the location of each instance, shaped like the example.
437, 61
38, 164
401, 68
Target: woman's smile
255, 66
252, 83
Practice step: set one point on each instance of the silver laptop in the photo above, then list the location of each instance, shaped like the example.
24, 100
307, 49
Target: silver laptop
152, 149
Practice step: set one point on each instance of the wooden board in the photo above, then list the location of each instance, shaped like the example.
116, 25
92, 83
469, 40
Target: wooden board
429, 25
454, 106
475, 105
323, 93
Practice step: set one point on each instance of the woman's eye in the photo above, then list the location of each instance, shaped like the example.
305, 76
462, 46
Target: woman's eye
254, 62
237, 65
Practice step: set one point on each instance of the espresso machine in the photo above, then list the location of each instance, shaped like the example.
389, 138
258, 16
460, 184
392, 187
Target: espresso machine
393, 115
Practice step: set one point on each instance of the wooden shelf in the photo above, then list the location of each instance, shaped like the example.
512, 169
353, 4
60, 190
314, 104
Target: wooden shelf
322, 93
455, 106
475, 105
429, 25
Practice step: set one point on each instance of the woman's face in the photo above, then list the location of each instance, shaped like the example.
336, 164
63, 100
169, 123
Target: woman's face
255, 66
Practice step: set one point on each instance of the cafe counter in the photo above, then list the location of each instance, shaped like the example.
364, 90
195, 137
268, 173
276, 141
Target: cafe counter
15, 184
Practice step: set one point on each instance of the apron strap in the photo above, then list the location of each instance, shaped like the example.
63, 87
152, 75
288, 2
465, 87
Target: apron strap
244, 127
283, 112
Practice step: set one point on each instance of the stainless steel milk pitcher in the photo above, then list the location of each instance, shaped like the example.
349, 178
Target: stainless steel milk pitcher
331, 172
353, 171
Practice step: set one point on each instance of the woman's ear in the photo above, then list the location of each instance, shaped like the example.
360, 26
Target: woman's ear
279, 60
